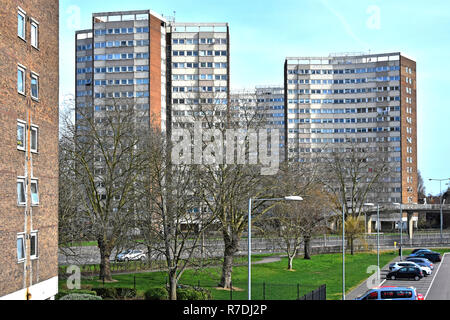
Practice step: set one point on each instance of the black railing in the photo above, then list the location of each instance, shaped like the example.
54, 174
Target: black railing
318, 294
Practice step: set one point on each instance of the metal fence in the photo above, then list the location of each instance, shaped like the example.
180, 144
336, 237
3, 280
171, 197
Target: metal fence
318, 294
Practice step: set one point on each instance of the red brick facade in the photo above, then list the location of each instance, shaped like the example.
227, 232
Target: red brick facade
43, 165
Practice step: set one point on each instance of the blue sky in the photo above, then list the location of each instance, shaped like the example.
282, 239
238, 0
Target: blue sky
264, 32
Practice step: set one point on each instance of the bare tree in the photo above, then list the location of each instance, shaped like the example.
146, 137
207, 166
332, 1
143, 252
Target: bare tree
173, 221
104, 152
228, 177
351, 173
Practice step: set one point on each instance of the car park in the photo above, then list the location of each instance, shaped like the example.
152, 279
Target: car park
405, 273
396, 265
131, 255
432, 256
391, 293
421, 262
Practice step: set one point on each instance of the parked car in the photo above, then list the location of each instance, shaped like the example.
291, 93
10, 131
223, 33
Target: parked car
131, 255
396, 265
391, 293
432, 256
405, 273
421, 262
420, 249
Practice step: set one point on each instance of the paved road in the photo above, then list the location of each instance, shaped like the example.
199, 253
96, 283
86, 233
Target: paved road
440, 288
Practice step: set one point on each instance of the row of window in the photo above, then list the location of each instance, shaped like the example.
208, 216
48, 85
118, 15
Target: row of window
123, 94
344, 130
121, 56
199, 101
188, 65
115, 82
21, 82
329, 150
327, 140
114, 69
122, 43
361, 80
383, 110
21, 137
199, 89
345, 120
22, 191
347, 91
199, 53
342, 101
22, 26
199, 41
102, 32
21, 246
344, 71
371, 139
176, 77
144, 106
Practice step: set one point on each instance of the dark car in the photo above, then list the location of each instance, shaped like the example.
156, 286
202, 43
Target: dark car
420, 249
432, 256
405, 273
421, 262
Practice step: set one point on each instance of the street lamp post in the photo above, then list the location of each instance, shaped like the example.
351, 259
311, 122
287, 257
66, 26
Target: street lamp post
401, 230
378, 236
288, 198
343, 252
440, 200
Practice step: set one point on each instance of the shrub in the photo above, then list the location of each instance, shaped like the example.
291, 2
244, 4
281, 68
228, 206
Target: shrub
126, 293
80, 296
106, 293
63, 293
193, 294
160, 293
115, 293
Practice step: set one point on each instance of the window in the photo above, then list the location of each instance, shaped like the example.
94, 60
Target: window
34, 86
21, 80
21, 192
20, 247
21, 23
21, 133
34, 192
34, 245
34, 34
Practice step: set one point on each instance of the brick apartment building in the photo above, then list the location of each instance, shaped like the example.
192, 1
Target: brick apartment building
29, 68
365, 99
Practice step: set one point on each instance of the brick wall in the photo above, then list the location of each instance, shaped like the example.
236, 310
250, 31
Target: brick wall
42, 165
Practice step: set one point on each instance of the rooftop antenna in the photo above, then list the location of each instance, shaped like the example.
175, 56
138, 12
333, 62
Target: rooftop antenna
174, 13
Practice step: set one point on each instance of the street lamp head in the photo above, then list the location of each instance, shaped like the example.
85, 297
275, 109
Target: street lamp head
293, 198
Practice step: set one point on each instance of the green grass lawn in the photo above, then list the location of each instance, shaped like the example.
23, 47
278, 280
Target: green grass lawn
280, 284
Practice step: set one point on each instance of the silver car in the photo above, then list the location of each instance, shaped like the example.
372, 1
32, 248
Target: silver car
131, 255
396, 265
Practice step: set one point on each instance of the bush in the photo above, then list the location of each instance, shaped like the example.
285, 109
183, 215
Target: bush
106, 293
63, 293
126, 293
193, 294
80, 296
115, 293
157, 294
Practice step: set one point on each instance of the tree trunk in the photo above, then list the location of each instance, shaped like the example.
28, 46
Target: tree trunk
290, 260
231, 247
105, 265
173, 282
351, 246
307, 247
